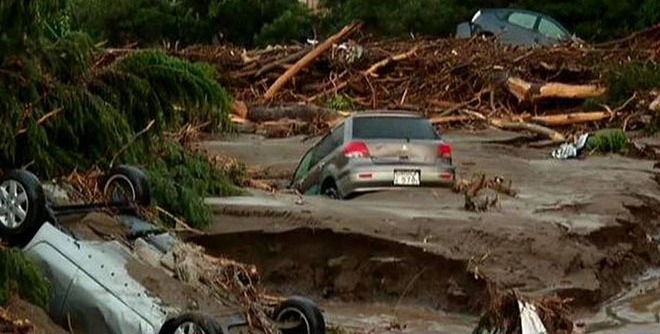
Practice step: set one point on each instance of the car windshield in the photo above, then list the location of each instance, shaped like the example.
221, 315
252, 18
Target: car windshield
393, 128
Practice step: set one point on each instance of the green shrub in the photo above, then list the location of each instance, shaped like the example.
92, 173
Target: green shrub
18, 274
608, 141
340, 102
624, 81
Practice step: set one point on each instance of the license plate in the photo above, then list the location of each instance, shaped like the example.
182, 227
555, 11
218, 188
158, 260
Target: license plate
406, 177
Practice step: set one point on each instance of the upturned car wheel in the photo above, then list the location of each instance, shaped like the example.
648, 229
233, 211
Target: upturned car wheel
127, 185
22, 207
191, 323
299, 315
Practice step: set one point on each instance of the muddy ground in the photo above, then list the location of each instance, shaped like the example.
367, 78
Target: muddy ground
584, 229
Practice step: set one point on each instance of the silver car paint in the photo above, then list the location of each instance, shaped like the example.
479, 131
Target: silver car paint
91, 284
345, 171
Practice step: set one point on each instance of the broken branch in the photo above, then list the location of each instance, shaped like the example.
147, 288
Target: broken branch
573, 118
43, 118
526, 91
535, 128
372, 70
309, 58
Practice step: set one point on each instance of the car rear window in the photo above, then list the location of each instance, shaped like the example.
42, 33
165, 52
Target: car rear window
393, 128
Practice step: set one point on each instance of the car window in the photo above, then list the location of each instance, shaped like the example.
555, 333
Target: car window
338, 135
524, 20
393, 128
325, 147
304, 166
550, 29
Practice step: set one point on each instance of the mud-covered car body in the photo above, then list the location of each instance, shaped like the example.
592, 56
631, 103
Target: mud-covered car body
375, 150
514, 26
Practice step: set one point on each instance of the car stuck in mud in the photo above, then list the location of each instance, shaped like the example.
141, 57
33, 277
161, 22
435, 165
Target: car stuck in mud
102, 286
375, 150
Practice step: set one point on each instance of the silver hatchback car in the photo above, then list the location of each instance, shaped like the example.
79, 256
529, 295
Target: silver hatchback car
375, 150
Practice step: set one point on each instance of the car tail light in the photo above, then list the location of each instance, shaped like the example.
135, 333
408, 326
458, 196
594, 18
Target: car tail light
444, 151
356, 149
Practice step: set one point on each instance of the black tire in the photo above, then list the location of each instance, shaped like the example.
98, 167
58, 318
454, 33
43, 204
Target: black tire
206, 324
22, 207
127, 185
329, 190
299, 309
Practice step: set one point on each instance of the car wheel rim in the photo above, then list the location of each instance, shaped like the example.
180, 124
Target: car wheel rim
14, 204
293, 314
189, 327
119, 189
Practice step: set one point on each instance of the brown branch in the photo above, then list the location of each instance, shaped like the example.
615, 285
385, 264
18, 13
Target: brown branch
572, 118
279, 62
372, 70
309, 58
43, 119
535, 128
526, 91
125, 147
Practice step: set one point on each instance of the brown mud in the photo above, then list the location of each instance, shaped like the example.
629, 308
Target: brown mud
352, 267
584, 229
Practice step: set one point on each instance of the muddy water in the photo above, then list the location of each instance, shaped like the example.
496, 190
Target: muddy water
634, 311
391, 318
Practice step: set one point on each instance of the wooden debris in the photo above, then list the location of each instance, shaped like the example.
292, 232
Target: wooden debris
372, 70
526, 91
535, 128
309, 58
573, 118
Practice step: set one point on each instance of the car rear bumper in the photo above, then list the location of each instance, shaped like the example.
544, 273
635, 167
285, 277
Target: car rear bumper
363, 178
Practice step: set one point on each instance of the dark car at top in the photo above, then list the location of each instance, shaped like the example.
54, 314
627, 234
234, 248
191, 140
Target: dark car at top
515, 27
375, 150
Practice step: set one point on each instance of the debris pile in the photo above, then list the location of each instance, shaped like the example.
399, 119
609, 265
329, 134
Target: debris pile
9, 324
512, 314
452, 81
230, 281
482, 193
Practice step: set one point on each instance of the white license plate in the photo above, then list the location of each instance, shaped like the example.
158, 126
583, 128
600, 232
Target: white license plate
406, 177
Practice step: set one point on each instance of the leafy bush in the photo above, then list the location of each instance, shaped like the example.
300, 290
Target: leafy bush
18, 274
295, 24
608, 141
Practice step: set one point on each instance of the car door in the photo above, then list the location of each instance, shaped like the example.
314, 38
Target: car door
521, 29
299, 179
320, 158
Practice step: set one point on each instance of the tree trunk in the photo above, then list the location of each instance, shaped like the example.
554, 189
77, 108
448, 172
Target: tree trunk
526, 91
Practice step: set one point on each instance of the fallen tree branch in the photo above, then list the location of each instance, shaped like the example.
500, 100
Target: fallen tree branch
535, 128
309, 58
137, 135
526, 91
372, 70
572, 118
450, 119
282, 61
43, 118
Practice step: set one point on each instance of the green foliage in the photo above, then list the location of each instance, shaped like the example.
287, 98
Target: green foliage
608, 141
187, 21
18, 274
340, 102
624, 81
180, 179
79, 108
293, 25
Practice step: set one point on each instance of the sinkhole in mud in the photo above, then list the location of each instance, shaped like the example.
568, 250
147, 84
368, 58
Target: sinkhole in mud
352, 267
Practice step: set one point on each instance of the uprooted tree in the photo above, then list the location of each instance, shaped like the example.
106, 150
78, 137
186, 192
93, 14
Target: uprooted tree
67, 104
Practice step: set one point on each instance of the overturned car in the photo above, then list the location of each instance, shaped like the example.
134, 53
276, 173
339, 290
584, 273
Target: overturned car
94, 290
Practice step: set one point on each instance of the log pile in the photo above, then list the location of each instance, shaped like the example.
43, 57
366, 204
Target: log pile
453, 81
